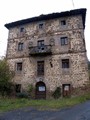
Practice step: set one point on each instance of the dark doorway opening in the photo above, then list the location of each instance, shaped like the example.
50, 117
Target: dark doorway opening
66, 89
18, 88
40, 90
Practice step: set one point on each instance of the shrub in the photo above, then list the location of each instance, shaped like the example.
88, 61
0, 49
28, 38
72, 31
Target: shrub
30, 88
57, 93
6, 76
22, 95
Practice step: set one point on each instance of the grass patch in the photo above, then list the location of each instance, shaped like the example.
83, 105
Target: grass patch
7, 104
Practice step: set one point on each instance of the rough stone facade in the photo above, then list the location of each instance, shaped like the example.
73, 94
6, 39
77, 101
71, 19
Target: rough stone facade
54, 75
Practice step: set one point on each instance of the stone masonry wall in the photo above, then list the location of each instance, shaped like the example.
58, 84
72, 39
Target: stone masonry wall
75, 51
52, 30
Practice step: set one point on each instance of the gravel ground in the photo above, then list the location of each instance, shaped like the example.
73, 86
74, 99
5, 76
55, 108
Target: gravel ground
78, 112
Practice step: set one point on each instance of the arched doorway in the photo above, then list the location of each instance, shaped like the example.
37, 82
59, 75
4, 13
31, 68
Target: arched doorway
40, 90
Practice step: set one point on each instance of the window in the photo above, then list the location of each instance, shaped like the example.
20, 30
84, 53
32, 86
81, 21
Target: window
63, 22
65, 63
40, 68
40, 43
18, 88
64, 41
41, 25
19, 66
20, 46
22, 29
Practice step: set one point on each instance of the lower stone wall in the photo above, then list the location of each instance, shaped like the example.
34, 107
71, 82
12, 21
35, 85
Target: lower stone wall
55, 76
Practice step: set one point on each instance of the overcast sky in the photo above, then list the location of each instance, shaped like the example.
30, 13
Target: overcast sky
13, 10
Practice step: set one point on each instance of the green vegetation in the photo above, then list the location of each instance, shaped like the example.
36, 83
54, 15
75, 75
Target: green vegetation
57, 93
30, 90
22, 95
7, 104
5, 78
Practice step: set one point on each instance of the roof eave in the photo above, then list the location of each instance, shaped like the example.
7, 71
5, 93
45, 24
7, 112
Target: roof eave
49, 16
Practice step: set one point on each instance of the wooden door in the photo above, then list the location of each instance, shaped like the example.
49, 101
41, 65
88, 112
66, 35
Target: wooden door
40, 90
66, 89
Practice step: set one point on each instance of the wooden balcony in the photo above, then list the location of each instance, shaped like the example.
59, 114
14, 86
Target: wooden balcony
40, 50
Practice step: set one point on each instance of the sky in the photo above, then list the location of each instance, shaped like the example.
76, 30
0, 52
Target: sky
13, 10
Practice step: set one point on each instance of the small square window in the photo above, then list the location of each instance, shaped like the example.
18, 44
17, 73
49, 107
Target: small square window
41, 25
20, 46
64, 41
65, 63
19, 66
63, 22
22, 29
40, 43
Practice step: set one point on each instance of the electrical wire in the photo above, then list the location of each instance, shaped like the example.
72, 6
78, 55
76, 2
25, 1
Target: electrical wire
73, 3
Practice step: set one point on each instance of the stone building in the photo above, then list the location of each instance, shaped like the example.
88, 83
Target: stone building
48, 51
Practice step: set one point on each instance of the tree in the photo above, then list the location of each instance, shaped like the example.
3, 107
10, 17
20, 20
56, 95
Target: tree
5, 78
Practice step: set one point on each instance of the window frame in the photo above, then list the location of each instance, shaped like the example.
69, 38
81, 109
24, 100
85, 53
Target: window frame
63, 22
64, 41
19, 66
40, 43
65, 63
41, 25
22, 29
20, 46
40, 68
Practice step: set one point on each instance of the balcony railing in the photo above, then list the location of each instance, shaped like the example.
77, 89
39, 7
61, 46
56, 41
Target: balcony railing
40, 50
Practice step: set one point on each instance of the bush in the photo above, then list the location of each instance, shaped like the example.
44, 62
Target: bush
57, 93
22, 95
6, 76
30, 88
31, 91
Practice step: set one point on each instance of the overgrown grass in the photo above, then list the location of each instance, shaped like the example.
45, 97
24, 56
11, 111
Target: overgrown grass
7, 104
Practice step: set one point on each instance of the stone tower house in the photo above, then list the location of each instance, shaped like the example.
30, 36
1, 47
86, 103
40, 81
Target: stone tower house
48, 51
